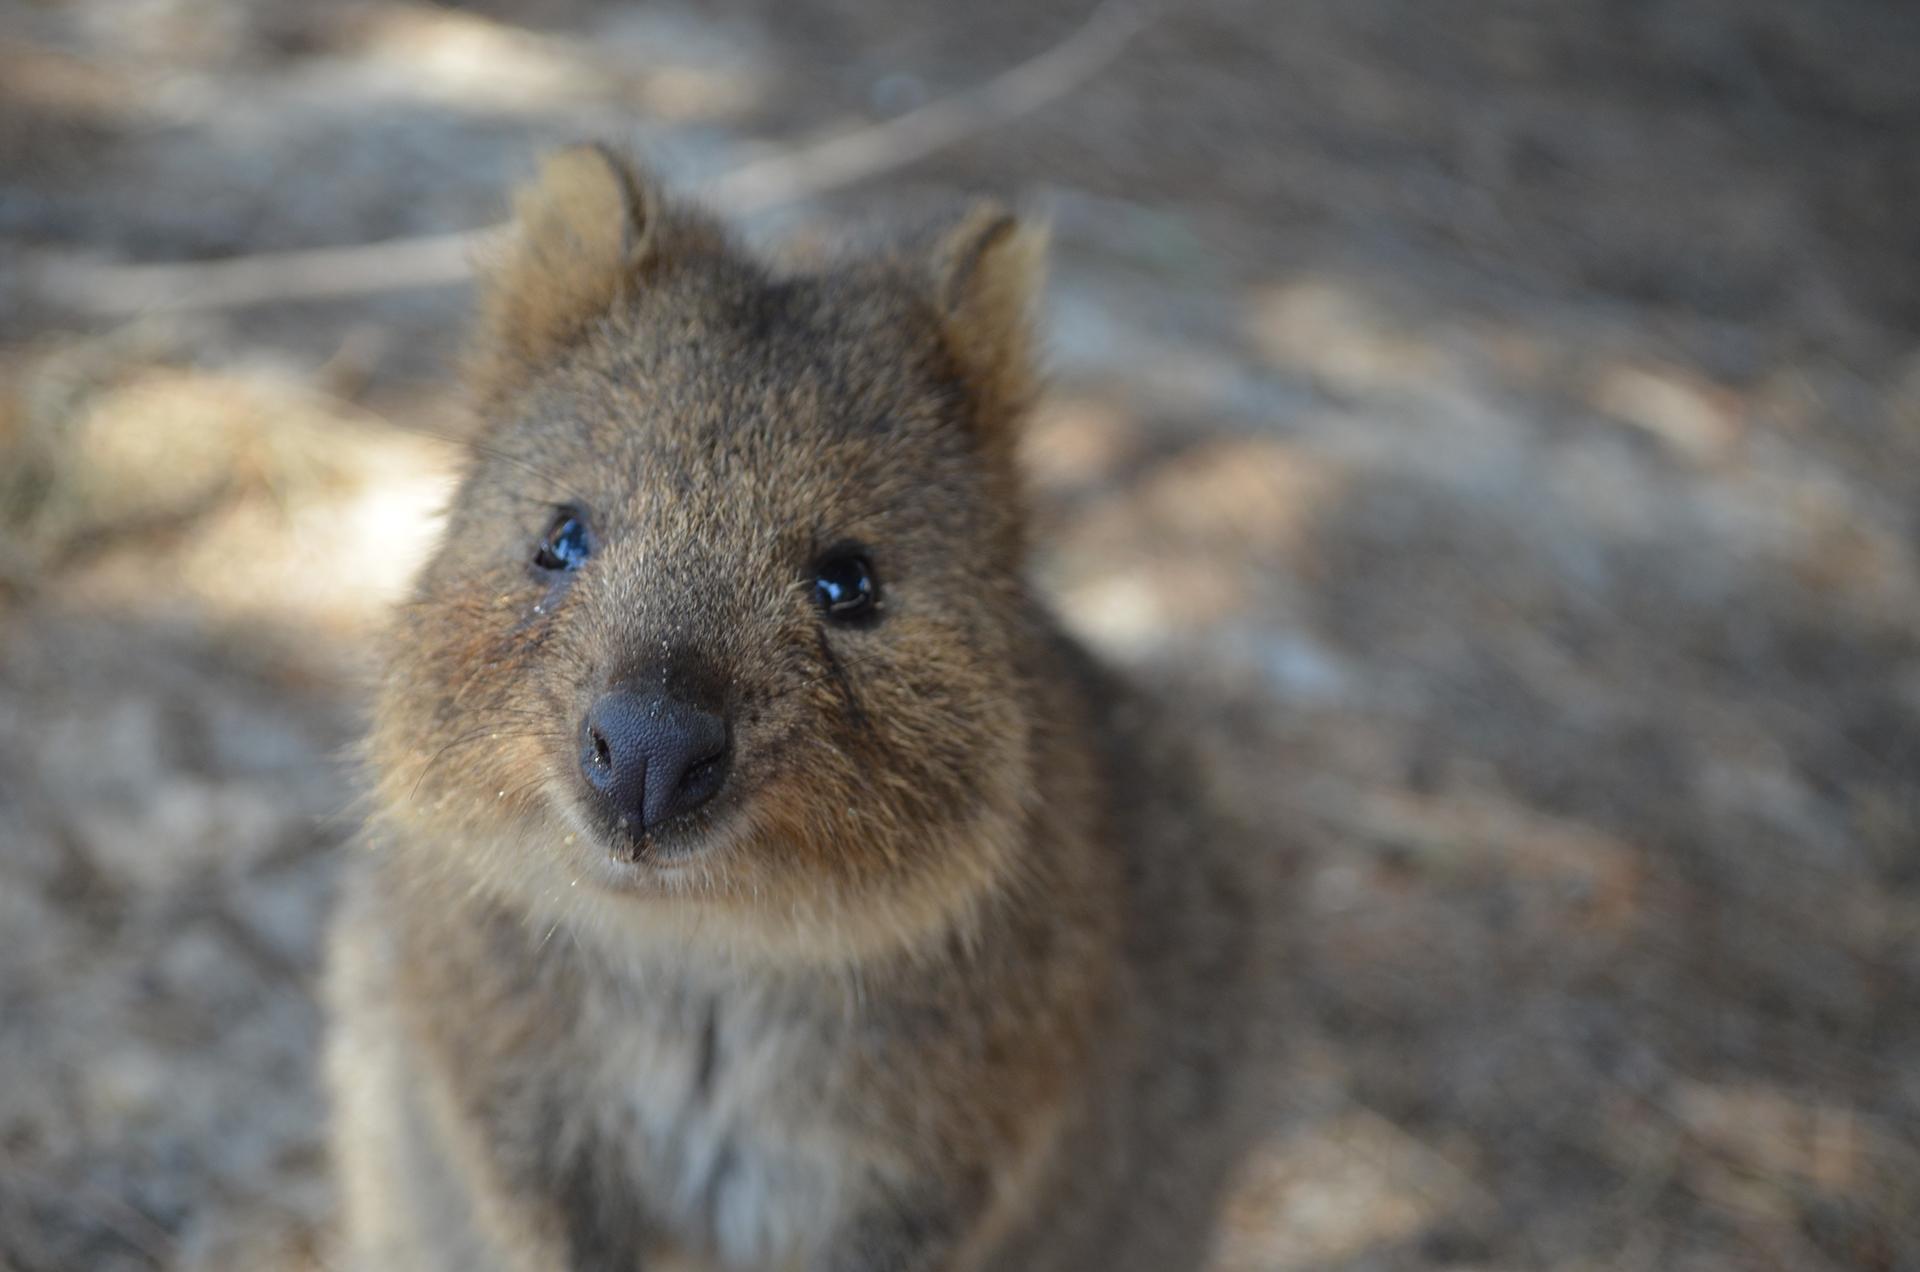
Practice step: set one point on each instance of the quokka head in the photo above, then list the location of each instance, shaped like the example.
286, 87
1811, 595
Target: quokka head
727, 631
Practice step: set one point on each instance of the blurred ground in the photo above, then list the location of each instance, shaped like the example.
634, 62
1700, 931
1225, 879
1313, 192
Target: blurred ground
1499, 421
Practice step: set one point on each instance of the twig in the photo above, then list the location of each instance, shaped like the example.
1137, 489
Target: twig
864, 152
322, 273
441, 259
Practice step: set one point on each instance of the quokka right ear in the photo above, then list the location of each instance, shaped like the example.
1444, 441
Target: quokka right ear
987, 271
583, 232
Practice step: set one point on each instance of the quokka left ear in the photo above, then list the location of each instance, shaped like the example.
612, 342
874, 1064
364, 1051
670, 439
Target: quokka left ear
988, 271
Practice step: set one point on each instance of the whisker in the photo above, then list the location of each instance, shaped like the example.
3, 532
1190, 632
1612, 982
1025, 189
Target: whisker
484, 733
813, 682
480, 448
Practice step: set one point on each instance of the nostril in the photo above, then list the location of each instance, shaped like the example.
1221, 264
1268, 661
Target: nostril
596, 753
607, 759
702, 773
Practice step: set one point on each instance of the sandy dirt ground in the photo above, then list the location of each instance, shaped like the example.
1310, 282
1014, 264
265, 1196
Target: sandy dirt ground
1498, 422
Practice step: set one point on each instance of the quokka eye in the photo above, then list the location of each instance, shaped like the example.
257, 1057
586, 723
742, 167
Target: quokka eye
567, 544
845, 587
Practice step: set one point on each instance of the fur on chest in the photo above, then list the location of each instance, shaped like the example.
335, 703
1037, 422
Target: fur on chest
728, 1123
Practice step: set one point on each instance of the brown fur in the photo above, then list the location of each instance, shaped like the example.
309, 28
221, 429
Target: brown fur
948, 973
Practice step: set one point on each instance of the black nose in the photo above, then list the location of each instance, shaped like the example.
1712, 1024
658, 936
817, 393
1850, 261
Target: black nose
651, 757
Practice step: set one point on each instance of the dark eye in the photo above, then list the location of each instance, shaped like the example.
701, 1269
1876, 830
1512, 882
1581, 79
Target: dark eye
567, 544
845, 587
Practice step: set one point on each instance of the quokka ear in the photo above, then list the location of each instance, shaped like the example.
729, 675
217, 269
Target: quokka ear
582, 232
988, 271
